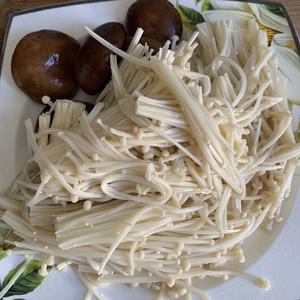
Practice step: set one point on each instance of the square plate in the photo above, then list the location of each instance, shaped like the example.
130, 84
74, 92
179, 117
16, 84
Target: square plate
275, 255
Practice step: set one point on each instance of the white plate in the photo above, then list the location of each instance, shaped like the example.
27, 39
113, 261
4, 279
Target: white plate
274, 255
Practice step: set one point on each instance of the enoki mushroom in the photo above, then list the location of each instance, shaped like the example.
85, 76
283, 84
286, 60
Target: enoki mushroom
187, 153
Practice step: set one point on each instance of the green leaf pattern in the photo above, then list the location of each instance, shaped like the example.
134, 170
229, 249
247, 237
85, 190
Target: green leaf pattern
297, 134
206, 5
29, 280
3, 253
275, 9
190, 17
7, 234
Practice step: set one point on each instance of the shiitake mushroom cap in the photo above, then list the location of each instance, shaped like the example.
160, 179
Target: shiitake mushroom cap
158, 18
93, 64
43, 64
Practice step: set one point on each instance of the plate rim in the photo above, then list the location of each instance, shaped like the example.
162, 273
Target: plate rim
295, 34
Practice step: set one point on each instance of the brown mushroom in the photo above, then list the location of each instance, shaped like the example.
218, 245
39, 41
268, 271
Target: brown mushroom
43, 64
158, 18
93, 66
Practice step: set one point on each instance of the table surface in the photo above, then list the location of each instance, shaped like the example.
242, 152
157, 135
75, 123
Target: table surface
9, 6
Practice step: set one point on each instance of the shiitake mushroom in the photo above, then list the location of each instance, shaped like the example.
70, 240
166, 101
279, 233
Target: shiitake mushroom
158, 18
43, 64
93, 64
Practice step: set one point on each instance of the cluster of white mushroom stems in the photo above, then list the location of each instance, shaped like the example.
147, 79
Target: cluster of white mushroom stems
186, 154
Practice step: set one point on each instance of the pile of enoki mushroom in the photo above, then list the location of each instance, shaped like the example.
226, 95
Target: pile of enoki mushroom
186, 154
